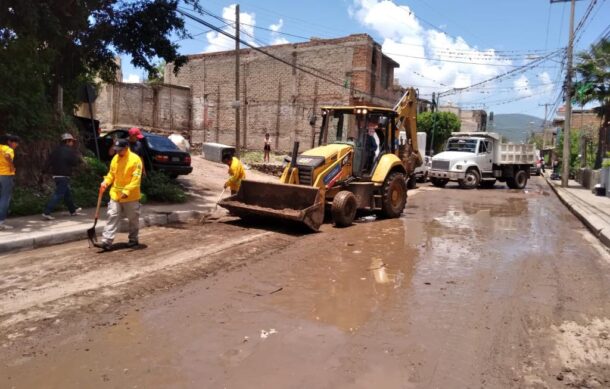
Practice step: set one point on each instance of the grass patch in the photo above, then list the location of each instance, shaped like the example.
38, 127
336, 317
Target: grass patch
251, 157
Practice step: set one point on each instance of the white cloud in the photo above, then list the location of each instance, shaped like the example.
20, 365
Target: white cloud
522, 86
132, 79
449, 60
546, 83
275, 28
278, 26
220, 42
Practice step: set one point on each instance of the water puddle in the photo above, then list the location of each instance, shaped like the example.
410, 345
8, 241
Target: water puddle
361, 275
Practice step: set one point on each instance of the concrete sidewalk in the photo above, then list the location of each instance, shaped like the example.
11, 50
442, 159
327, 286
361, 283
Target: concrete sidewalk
592, 210
33, 231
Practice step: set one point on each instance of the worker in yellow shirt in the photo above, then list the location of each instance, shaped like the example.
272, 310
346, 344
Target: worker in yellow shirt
236, 172
7, 176
125, 175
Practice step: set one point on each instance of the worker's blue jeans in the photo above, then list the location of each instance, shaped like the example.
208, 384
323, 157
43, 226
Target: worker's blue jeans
6, 190
62, 191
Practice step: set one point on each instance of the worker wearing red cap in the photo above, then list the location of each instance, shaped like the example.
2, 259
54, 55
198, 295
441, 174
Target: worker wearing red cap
135, 142
136, 146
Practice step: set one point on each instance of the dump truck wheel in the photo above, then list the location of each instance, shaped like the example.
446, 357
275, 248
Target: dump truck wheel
343, 208
394, 195
439, 182
520, 180
471, 179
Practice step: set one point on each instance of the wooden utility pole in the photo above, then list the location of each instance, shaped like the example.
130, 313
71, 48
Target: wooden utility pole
278, 116
237, 102
565, 174
565, 171
312, 121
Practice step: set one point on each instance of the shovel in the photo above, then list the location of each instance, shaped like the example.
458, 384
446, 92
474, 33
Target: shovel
219, 198
91, 231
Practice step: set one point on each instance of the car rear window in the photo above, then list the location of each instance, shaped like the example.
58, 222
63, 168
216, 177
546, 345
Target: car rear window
161, 143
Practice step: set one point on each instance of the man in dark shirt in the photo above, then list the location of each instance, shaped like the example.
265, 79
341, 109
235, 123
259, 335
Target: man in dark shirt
135, 142
61, 163
136, 146
370, 147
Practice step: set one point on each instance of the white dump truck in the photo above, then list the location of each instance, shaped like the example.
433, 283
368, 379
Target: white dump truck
480, 158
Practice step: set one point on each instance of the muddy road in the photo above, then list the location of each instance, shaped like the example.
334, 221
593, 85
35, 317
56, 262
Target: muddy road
484, 288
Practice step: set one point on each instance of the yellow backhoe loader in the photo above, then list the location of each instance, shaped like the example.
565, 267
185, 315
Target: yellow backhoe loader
358, 164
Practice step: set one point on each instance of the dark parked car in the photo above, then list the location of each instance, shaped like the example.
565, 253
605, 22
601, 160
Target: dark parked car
160, 153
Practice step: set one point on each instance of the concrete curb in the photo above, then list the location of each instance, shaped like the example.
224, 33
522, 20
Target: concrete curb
80, 232
597, 226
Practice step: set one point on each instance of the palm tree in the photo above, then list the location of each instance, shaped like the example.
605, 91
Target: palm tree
593, 70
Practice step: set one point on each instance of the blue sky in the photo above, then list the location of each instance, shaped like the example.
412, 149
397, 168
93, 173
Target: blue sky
441, 44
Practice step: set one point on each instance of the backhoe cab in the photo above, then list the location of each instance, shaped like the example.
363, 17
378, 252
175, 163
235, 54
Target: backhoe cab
358, 164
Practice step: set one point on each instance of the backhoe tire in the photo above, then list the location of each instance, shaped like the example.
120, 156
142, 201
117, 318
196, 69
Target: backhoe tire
519, 181
439, 182
488, 184
343, 208
393, 195
471, 180
412, 182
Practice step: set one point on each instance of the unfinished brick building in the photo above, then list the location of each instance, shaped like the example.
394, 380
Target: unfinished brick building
283, 99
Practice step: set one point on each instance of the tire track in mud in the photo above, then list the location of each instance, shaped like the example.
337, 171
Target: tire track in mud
44, 284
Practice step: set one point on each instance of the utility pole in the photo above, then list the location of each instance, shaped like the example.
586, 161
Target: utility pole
565, 171
434, 114
546, 107
237, 101
544, 130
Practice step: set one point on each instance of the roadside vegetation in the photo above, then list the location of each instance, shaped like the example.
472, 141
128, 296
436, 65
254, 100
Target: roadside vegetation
593, 85
251, 157
441, 124
30, 200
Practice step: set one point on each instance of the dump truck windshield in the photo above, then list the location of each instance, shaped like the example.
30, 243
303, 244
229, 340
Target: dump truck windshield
466, 145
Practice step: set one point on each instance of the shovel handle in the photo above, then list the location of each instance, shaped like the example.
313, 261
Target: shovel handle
221, 194
99, 203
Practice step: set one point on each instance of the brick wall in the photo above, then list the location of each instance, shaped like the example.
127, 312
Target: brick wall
160, 108
278, 98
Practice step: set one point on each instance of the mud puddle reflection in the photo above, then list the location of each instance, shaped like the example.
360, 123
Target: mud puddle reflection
352, 277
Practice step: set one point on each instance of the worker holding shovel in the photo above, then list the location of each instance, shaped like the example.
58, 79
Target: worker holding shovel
236, 172
125, 175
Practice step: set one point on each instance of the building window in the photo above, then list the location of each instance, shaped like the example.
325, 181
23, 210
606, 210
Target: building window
386, 75
373, 71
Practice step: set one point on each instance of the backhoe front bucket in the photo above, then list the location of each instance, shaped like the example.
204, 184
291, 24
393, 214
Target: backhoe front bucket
298, 203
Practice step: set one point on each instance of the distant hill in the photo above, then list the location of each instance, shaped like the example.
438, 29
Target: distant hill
515, 127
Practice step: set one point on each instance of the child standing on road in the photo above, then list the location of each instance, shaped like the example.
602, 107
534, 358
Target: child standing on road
267, 148
236, 172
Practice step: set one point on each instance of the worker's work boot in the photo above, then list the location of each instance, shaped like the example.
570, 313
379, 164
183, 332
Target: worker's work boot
133, 243
105, 246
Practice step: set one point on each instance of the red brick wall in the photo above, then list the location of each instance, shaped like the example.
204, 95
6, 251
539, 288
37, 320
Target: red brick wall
275, 97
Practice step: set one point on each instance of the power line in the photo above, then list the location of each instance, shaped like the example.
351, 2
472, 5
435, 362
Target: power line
531, 65
209, 25
451, 61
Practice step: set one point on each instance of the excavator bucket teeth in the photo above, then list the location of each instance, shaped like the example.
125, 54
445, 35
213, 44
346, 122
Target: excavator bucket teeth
297, 203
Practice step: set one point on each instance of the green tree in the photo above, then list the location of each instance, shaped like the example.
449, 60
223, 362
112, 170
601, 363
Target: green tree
159, 74
574, 149
537, 138
593, 71
441, 123
48, 48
